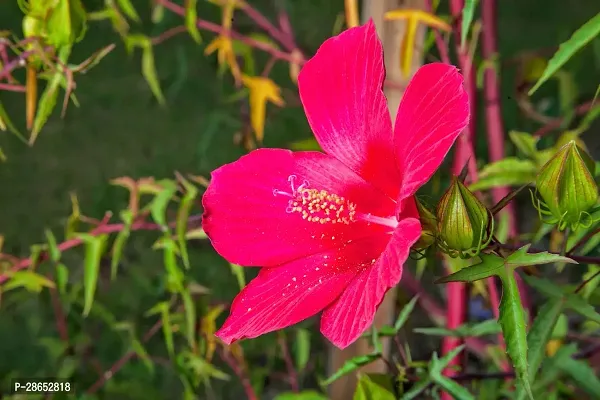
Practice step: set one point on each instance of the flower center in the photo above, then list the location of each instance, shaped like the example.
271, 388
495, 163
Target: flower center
317, 205
324, 207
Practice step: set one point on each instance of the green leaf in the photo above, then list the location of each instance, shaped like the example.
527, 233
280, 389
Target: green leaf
302, 348
191, 15
467, 20
492, 264
162, 308
149, 73
525, 142
416, 390
6, 123
304, 395
53, 249
94, 247
175, 276
580, 372
238, 272
47, 101
128, 9
66, 23
183, 214
512, 321
567, 49
405, 313
62, 278
352, 365
158, 206
306, 145
28, 280
200, 367
190, 318
510, 171
572, 301
140, 351
489, 327
538, 336
436, 368
119, 243
374, 387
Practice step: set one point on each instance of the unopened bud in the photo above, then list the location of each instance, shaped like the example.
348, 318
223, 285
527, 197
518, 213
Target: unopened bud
428, 227
465, 225
567, 188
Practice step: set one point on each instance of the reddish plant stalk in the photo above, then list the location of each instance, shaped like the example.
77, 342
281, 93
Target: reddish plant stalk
495, 126
284, 38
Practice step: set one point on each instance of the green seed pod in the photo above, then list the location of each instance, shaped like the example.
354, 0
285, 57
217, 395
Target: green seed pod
567, 188
465, 225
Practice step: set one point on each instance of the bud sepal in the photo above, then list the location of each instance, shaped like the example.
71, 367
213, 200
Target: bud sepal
465, 225
566, 190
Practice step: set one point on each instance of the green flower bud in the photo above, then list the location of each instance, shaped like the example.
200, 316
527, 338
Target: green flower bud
428, 227
465, 225
567, 188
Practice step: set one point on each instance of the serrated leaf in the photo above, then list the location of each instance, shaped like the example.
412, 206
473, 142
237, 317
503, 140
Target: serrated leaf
183, 214
514, 330
572, 301
374, 387
509, 171
191, 15
302, 348
492, 264
94, 247
467, 19
455, 389
538, 336
567, 49
580, 372
352, 365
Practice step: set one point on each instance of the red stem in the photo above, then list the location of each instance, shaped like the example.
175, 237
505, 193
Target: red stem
243, 377
286, 40
292, 374
494, 125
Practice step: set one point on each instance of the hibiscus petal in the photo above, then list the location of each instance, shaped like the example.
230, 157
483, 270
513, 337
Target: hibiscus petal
341, 91
248, 224
353, 312
282, 296
432, 113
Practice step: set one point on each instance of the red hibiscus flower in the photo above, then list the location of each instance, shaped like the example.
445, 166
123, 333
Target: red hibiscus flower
332, 230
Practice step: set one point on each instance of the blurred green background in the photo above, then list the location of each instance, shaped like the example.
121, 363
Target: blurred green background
119, 130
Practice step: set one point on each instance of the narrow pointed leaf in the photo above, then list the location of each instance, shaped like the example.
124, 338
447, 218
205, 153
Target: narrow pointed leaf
374, 387
352, 365
512, 321
567, 49
191, 15
467, 20
405, 313
94, 247
182, 219
302, 348
158, 207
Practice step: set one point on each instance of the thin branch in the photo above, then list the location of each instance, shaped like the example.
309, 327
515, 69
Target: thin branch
285, 39
218, 29
557, 123
69, 244
241, 374
292, 374
122, 361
